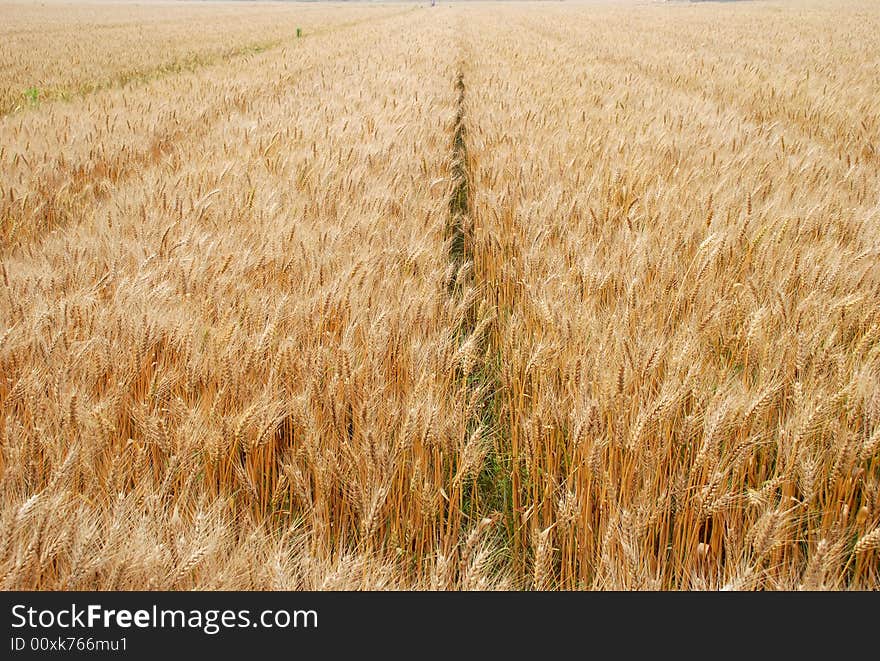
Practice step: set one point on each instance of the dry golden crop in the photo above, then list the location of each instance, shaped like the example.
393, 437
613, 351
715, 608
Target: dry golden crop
678, 231
481, 296
64, 51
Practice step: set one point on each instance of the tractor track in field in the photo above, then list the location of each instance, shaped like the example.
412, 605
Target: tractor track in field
488, 495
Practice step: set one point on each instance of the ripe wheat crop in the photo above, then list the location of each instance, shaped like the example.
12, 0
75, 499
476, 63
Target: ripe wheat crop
530, 296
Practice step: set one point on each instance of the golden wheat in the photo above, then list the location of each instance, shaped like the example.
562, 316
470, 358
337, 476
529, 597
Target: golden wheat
681, 245
484, 296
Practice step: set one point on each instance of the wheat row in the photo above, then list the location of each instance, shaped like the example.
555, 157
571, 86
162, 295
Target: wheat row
686, 283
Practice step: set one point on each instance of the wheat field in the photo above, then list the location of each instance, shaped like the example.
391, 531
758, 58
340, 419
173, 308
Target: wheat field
476, 296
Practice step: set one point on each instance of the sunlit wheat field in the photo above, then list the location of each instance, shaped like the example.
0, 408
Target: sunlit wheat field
577, 296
